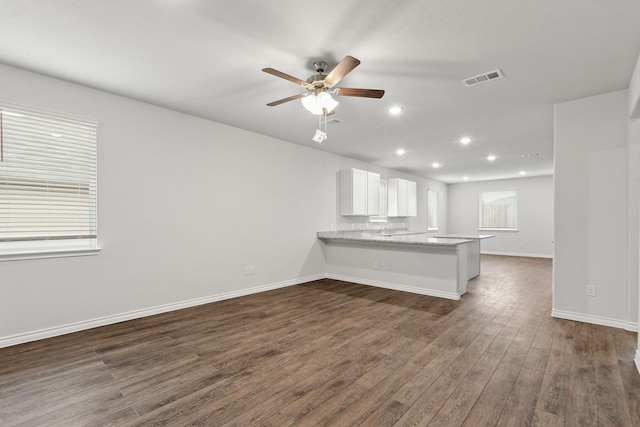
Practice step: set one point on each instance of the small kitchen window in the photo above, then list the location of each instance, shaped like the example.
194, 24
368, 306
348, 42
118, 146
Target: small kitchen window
432, 210
383, 203
498, 210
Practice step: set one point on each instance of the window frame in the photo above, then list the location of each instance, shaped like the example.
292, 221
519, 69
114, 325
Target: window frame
480, 211
80, 244
383, 203
432, 211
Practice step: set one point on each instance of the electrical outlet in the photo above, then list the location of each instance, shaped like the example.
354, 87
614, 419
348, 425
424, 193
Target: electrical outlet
591, 290
376, 265
248, 271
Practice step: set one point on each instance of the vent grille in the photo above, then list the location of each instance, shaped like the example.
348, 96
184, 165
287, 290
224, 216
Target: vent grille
482, 78
531, 155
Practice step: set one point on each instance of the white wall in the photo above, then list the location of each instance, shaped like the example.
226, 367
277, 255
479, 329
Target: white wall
183, 205
591, 210
634, 191
535, 215
634, 223
634, 92
633, 217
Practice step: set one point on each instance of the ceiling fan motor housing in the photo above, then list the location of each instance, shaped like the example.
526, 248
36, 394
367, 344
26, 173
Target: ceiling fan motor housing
320, 66
317, 81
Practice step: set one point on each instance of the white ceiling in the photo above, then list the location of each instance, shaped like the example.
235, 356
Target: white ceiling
204, 57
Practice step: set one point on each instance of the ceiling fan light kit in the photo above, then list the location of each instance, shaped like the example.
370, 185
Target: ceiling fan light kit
319, 88
316, 104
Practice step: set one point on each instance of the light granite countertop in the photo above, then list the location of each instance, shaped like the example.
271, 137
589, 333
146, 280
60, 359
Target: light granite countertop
465, 236
393, 236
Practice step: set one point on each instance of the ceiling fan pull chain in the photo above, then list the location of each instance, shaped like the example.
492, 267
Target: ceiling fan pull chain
325, 122
320, 117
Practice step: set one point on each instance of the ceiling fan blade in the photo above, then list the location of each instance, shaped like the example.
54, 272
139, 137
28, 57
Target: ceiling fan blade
283, 100
345, 66
365, 93
285, 76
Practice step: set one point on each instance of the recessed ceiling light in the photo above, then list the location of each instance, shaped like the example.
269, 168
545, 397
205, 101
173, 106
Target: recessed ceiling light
436, 165
491, 158
523, 172
395, 110
466, 178
465, 140
400, 151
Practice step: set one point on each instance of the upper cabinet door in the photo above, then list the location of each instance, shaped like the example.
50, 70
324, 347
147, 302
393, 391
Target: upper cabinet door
359, 200
402, 196
359, 193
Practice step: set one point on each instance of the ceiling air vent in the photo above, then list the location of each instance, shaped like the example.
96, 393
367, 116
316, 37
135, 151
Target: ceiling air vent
481, 78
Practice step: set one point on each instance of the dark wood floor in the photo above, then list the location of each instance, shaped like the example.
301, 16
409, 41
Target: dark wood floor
338, 354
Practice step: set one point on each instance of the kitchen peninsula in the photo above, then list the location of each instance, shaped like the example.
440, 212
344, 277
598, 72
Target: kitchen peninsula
473, 251
412, 262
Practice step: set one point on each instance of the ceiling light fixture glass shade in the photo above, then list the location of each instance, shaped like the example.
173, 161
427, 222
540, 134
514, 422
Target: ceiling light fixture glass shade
316, 103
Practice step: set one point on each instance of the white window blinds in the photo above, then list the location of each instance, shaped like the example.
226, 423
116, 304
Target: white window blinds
47, 177
499, 210
383, 203
432, 210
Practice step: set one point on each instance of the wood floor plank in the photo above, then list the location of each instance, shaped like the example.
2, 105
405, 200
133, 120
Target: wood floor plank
333, 353
16, 390
94, 419
422, 411
457, 406
612, 410
545, 419
359, 410
555, 390
520, 407
97, 403
489, 405
631, 383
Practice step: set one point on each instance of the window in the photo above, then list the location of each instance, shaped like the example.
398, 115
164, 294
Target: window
383, 203
47, 184
432, 210
498, 210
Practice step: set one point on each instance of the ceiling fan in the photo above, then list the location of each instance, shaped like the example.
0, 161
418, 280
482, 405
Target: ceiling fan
317, 99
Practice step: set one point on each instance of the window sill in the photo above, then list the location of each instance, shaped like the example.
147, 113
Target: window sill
497, 229
10, 251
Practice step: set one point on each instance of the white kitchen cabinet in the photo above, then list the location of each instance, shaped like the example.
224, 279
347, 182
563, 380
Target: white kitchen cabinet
359, 193
402, 198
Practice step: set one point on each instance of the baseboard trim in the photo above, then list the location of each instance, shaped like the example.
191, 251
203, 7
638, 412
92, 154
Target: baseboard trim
596, 320
395, 286
517, 254
137, 314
